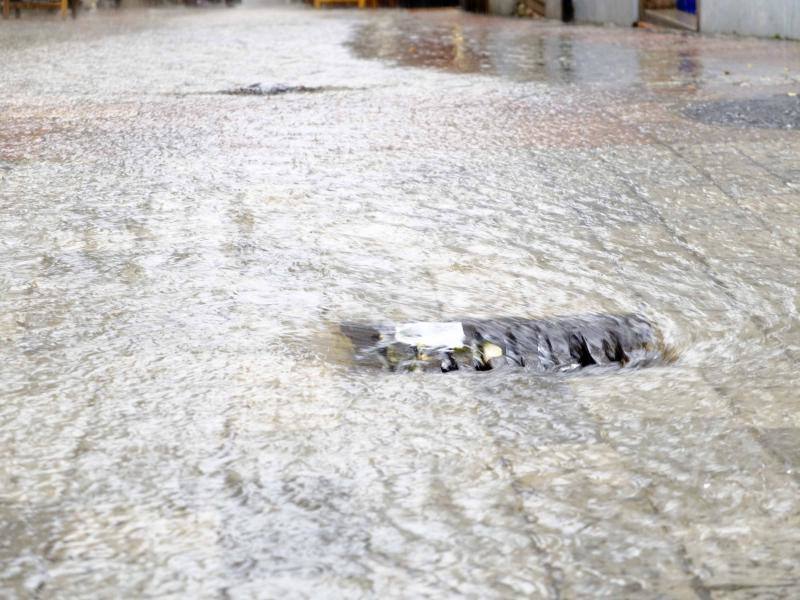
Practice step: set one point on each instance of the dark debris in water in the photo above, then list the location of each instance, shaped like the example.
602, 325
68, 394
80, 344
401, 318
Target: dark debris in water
260, 89
776, 112
547, 345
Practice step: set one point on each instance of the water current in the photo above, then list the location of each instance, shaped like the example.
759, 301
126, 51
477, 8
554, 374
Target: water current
178, 417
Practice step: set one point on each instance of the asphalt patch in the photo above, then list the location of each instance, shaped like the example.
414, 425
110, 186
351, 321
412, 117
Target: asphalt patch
776, 112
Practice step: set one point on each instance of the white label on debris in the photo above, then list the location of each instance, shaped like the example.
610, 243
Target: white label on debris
431, 335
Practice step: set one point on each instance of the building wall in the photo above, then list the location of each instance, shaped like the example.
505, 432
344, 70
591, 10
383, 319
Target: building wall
619, 12
751, 17
764, 18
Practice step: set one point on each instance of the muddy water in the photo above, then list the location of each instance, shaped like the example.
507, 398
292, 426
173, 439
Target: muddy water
177, 419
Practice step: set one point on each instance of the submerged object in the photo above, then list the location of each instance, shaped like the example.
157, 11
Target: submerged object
259, 89
561, 344
279, 89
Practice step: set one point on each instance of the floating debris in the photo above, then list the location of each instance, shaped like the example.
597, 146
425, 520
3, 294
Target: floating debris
562, 344
776, 112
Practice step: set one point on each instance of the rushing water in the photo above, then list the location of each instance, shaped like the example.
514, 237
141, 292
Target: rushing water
177, 415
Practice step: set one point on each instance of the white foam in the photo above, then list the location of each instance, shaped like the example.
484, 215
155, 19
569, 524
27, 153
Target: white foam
431, 335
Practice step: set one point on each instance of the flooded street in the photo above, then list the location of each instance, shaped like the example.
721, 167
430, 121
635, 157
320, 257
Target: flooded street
178, 417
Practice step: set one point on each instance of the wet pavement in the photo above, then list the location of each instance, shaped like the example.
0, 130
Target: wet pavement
178, 417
